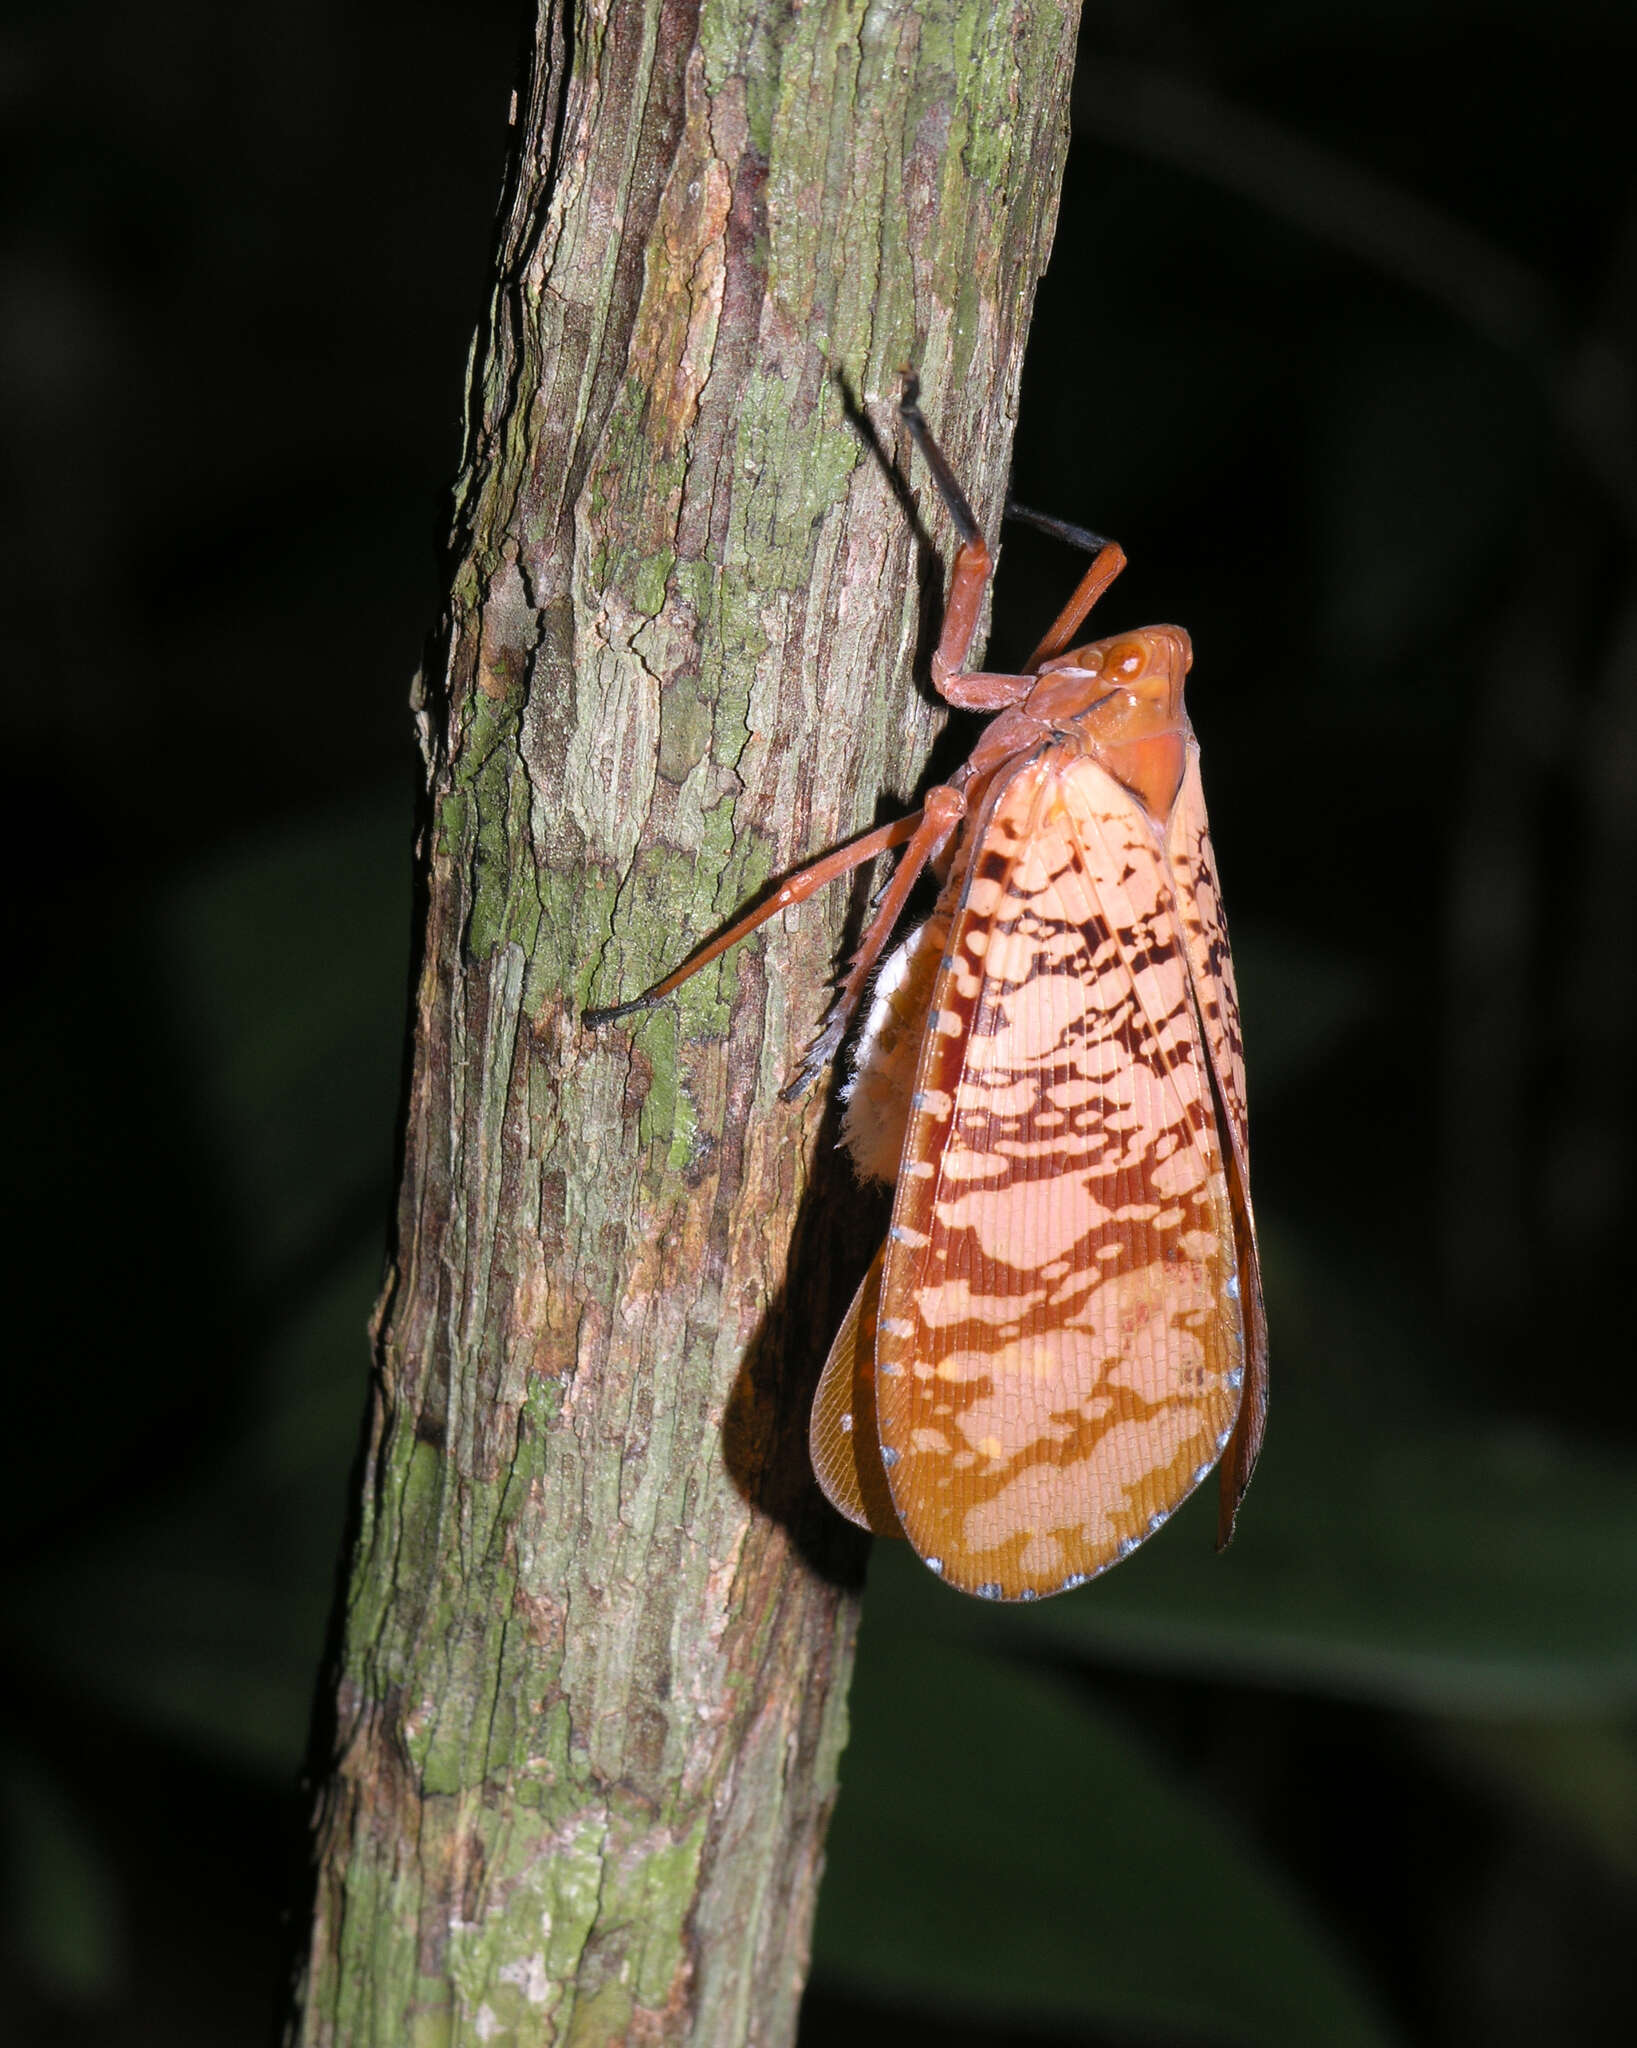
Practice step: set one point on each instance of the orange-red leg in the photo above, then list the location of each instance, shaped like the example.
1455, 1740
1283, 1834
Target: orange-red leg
968, 580
804, 883
934, 824
989, 690
1060, 635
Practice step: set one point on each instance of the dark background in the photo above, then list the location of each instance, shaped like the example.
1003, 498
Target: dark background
1339, 340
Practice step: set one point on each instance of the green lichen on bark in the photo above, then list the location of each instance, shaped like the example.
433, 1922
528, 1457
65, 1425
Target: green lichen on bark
599, 1625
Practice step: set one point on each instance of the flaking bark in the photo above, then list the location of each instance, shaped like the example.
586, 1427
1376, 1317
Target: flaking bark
599, 1624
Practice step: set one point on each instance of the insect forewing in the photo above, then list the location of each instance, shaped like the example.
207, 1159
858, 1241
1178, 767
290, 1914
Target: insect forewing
1059, 1355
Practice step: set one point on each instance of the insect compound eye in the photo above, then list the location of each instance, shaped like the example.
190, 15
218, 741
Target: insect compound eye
1127, 659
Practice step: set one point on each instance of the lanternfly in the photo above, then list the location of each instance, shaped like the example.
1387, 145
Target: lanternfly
1063, 1333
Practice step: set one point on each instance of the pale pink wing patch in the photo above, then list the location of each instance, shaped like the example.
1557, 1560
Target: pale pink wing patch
1059, 1357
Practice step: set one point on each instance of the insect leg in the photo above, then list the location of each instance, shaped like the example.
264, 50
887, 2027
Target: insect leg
934, 825
968, 580
1077, 536
1060, 636
804, 883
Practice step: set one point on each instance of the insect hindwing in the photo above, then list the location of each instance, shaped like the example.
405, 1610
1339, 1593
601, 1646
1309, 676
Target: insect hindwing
841, 1436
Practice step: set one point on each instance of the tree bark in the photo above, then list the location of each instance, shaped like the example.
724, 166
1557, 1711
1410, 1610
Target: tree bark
599, 1624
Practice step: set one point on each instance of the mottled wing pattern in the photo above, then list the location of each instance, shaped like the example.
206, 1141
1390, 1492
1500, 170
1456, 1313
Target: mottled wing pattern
1205, 935
841, 1434
1059, 1353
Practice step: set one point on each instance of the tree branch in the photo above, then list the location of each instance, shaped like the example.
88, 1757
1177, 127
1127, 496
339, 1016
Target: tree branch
599, 1623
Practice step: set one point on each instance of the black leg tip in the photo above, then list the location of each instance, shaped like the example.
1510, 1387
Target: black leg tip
817, 1057
594, 1019
1043, 522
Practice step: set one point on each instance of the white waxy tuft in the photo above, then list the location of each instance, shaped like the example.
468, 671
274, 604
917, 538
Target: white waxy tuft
877, 1092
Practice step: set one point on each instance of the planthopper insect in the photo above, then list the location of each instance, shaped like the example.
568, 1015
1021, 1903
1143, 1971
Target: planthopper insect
1063, 1333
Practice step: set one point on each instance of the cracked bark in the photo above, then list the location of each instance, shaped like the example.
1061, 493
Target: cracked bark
599, 1624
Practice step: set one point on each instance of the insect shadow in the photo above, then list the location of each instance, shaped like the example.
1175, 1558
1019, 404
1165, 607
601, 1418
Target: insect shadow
954, 740
839, 1223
